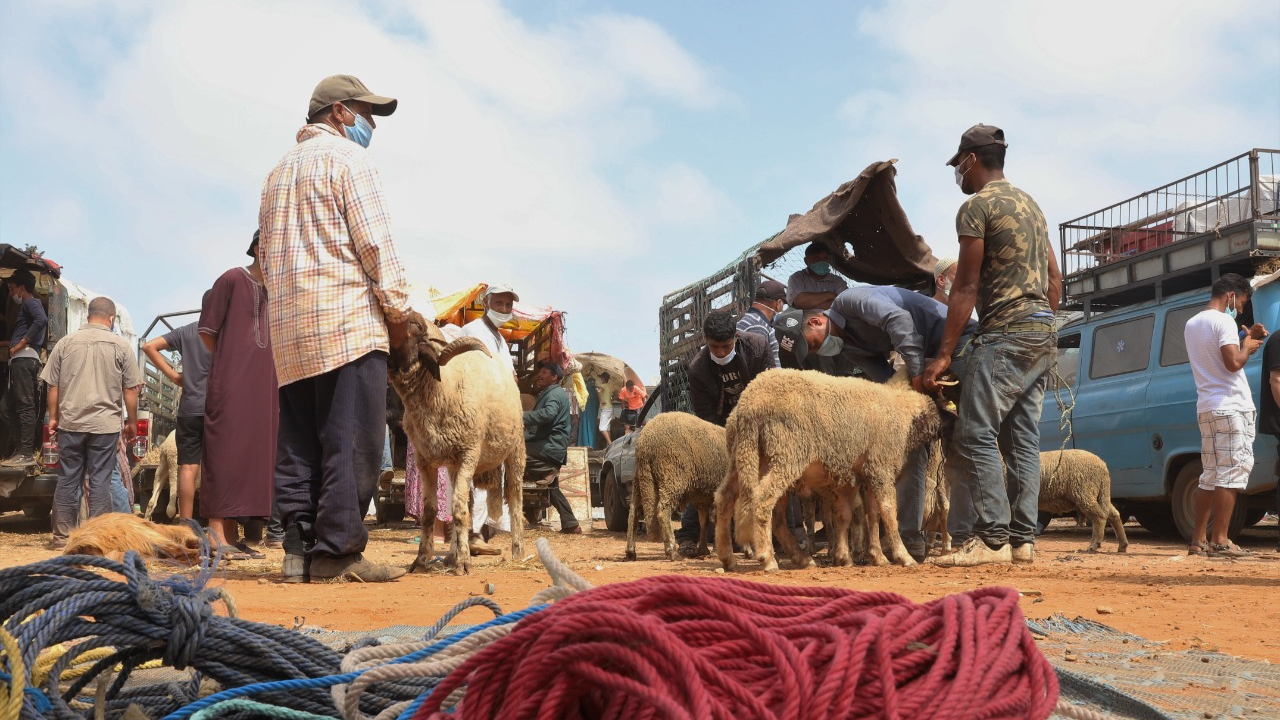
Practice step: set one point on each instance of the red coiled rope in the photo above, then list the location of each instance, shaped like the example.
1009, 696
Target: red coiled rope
681, 648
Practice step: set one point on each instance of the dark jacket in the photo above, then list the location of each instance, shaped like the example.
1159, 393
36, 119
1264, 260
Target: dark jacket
31, 324
711, 397
546, 426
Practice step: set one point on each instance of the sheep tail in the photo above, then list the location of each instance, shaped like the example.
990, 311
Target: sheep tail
643, 497
747, 461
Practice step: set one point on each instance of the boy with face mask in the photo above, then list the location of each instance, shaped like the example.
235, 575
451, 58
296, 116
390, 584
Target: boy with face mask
817, 285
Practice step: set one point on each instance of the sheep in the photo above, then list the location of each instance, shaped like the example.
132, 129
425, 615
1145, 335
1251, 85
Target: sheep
165, 458
461, 412
1078, 480
680, 459
794, 429
113, 534
937, 498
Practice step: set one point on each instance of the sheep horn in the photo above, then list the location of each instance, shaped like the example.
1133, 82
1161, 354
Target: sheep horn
947, 383
462, 345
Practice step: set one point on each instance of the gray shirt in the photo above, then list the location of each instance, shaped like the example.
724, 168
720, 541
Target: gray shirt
196, 361
91, 367
876, 320
803, 281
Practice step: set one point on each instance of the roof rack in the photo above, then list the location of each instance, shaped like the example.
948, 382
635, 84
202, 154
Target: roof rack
1179, 237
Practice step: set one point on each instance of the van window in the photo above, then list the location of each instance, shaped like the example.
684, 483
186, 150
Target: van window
1122, 347
1173, 346
1068, 360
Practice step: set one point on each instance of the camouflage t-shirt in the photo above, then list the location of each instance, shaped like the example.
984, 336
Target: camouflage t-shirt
1014, 282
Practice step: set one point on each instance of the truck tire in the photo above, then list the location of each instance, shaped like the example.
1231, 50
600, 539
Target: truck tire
389, 512
616, 506
1184, 504
38, 511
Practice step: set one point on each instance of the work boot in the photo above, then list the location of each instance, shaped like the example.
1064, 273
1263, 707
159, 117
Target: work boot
19, 460
354, 567
296, 568
918, 552
1024, 554
975, 552
571, 530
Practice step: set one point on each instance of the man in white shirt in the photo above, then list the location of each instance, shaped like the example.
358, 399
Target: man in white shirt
1224, 409
499, 302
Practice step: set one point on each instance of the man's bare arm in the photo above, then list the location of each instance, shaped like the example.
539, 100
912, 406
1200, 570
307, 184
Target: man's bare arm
152, 350
1055, 282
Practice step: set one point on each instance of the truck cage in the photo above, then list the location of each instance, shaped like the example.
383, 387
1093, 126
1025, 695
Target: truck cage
1178, 237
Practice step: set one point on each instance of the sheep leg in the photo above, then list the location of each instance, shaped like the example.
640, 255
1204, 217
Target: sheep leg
787, 539
885, 498
643, 479
1117, 524
429, 476
661, 522
631, 518
809, 518
1090, 509
762, 517
173, 490
704, 519
459, 557
871, 511
156, 487
513, 487
842, 519
726, 503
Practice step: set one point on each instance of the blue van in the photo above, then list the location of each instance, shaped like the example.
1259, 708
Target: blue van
1128, 396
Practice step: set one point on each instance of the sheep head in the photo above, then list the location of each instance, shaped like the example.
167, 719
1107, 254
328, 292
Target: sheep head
427, 348
421, 349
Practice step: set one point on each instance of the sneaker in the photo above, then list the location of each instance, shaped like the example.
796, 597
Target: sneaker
57, 544
354, 567
689, 549
1024, 554
571, 530
296, 568
19, 460
976, 552
273, 543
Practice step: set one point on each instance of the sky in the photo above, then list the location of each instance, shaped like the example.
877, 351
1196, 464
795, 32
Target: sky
595, 156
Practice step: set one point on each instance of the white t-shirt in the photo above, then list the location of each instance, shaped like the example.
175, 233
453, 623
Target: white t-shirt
497, 344
1216, 387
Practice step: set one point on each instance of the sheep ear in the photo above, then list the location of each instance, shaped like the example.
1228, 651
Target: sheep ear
427, 357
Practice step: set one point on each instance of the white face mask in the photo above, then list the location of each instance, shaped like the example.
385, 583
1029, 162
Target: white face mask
723, 360
960, 175
946, 288
497, 318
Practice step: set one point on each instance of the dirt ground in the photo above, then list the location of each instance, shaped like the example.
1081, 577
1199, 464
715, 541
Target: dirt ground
1154, 591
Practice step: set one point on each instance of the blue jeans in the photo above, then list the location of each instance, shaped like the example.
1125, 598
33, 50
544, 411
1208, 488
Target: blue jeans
911, 499
81, 454
119, 493
1003, 388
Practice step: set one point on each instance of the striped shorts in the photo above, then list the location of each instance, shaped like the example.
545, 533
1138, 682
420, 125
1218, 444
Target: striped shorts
1226, 448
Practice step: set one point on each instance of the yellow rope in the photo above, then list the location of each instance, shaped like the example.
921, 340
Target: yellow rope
79, 666
11, 696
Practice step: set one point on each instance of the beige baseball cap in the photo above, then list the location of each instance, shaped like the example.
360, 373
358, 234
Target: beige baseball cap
341, 88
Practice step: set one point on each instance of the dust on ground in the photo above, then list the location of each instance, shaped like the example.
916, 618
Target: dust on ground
1154, 590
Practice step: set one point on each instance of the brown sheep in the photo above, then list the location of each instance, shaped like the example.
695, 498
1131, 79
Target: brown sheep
461, 412
800, 428
679, 459
1078, 480
113, 534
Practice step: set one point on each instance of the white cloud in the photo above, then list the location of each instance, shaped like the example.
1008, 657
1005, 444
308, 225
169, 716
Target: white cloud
496, 162
1100, 100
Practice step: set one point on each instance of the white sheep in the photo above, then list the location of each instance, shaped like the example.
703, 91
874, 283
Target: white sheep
1078, 480
461, 412
794, 429
680, 459
165, 457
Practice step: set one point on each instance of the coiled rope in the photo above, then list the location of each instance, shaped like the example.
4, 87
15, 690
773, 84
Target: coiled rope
677, 647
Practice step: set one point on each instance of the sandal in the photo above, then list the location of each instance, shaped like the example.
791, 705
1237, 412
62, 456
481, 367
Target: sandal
231, 552
1230, 550
253, 554
1198, 549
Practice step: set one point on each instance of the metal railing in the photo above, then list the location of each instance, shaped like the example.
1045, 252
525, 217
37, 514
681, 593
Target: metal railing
1244, 188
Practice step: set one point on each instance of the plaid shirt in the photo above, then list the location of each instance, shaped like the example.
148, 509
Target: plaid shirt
331, 269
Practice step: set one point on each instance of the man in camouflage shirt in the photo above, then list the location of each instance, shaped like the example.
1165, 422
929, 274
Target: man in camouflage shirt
1007, 268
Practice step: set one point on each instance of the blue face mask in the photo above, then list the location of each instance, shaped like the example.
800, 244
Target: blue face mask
361, 133
831, 346
1232, 311
820, 268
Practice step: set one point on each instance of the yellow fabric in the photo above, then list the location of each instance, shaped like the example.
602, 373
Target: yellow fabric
578, 387
463, 306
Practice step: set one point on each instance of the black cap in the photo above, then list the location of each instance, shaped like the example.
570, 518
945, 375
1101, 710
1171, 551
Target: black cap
788, 326
771, 290
253, 246
23, 278
816, 247
978, 136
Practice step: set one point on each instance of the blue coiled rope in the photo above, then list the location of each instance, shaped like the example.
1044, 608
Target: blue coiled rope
63, 600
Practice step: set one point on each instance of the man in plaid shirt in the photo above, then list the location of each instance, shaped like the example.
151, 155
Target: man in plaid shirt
338, 304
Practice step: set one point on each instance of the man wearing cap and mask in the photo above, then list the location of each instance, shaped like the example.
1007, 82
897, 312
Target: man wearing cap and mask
759, 317
944, 276
1006, 269
718, 374
339, 302
868, 323
816, 286
499, 302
